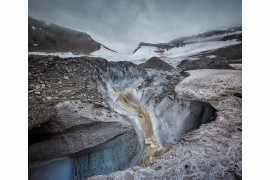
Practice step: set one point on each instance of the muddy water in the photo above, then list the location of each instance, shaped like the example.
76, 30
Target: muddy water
152, 149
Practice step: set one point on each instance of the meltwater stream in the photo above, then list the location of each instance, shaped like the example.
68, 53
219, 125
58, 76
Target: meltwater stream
152, 148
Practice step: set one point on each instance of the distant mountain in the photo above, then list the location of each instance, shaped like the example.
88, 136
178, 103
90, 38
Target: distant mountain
51, 38
216, 35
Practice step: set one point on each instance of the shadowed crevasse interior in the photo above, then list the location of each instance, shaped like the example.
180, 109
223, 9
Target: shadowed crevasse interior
117, 154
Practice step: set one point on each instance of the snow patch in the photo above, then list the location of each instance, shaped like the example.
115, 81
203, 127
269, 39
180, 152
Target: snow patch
63, 55
212, 56
211, 38
198, 47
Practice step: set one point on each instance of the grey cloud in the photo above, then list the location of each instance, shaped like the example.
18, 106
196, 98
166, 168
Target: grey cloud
122, 24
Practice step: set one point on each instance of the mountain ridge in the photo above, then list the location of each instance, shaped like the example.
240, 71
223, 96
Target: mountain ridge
229, 33
51, 38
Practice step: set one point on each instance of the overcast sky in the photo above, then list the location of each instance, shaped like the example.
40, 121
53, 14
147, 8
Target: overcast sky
122, 24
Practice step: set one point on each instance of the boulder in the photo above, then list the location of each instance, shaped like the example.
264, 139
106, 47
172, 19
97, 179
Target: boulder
156, 63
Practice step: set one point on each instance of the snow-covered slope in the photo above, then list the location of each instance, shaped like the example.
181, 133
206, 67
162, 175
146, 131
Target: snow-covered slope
180, 48
185, 45
104, 51
186, 50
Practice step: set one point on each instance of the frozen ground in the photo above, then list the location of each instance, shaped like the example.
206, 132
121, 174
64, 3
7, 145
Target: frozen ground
214, 151
197, 85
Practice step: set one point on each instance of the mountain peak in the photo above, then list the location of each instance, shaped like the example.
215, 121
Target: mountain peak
51, 38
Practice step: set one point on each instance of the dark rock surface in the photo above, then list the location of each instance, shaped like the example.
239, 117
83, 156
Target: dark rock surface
232, 53
161, 46
43, 37
204, 63
156, 63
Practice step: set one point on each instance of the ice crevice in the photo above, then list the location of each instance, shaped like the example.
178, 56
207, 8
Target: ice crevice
157, 116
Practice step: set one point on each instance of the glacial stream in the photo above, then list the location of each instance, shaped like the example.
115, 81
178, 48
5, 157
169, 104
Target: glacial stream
152, 148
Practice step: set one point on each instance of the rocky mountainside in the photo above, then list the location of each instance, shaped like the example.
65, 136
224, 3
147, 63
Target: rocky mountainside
221, 35
204, 63
51, 38
156, 63
221, 58
229, 53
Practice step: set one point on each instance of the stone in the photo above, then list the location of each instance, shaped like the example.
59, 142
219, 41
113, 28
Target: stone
129, 176
156, 63
66, 77
43, 87
98, 105
38, 93
49, 98
135, 168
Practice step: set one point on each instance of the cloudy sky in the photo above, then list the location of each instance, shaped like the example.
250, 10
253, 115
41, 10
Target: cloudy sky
122, 24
